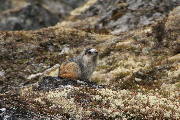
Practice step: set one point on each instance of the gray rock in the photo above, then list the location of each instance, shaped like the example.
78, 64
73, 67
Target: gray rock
123, 15
2, 73
32, 16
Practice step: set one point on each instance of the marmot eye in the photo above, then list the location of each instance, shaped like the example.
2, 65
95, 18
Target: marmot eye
89, 52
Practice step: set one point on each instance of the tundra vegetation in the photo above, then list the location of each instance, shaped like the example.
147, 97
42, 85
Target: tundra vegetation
138, 72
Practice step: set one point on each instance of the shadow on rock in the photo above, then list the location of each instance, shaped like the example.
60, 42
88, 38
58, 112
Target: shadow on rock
48, 83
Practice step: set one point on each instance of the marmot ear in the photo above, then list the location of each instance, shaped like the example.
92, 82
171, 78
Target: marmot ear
86, 50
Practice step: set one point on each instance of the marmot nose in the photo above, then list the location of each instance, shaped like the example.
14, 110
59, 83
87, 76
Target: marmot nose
96, 52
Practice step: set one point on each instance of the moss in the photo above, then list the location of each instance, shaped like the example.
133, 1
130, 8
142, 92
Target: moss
106, 52
178, 85
128, 84
121, 75
22, 61
97, 80
100, 67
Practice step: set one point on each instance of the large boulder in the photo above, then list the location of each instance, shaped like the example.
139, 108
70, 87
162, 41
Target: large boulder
30, 17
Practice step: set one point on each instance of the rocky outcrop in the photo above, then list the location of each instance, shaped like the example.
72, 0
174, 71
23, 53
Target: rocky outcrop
116, 16
5, 4
34, 14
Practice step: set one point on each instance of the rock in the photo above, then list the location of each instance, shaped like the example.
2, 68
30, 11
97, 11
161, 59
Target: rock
50, 83
22, 15
62, 7
53, 71
19, 114
138, 80
65, 50
120, 16
2, 73
5, 4
30, 17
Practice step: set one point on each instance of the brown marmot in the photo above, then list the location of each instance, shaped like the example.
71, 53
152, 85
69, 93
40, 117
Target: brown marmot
80, 67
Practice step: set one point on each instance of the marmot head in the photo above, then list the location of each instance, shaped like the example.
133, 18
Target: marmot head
91, 52
90, 55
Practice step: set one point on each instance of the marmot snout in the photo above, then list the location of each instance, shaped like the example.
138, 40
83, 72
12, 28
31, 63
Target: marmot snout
80, 67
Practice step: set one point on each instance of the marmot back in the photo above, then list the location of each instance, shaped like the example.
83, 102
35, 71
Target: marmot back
80, 67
